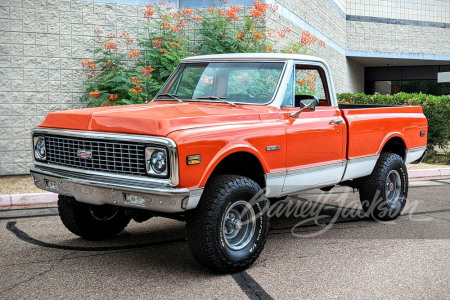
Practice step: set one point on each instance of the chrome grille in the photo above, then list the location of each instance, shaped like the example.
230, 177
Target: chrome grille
107, 156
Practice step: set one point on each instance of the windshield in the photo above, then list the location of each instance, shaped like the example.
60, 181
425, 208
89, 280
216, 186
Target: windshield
235, 82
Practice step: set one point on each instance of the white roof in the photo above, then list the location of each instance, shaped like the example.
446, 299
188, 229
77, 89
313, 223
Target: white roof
254, 56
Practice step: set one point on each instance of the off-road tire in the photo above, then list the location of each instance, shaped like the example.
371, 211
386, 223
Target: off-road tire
79, 219
377, 191
206, 234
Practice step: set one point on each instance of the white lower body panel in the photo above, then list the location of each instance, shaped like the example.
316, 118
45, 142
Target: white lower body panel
414, 154
288, 182
360, 167
283, 183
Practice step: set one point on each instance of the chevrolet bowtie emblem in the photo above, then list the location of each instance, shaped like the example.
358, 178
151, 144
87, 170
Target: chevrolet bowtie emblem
84, 154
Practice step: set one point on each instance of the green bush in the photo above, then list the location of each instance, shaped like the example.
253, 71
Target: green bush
435, 108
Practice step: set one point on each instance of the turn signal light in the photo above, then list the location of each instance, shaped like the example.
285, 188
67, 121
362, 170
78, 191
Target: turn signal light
193, 159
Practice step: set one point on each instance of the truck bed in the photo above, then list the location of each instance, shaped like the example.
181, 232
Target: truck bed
370, 126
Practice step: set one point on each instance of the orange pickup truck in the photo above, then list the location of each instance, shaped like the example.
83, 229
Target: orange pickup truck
223, 137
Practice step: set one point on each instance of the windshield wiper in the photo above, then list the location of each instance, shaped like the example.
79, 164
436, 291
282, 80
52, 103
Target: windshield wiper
222, 99
174, 97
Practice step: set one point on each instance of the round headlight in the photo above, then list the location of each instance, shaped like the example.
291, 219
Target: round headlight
39, 149
158, 161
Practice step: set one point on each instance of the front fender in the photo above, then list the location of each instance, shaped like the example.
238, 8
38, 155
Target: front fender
216, 143
231, 149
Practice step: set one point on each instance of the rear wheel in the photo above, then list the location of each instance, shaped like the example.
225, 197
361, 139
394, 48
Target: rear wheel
383, 194
93, 222
228, 229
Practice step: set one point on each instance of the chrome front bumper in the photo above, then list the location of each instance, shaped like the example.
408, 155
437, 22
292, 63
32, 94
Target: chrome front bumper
98, 191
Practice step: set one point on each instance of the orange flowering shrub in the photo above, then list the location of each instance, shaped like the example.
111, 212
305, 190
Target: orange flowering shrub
306, 84
146, 71
113, 97
128, 69
230, 30
133, 53
307, 40
88, 64
94, 94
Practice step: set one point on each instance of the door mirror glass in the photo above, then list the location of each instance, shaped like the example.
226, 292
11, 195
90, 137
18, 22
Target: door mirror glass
308, 104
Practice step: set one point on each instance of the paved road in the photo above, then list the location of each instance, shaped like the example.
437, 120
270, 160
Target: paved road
354, 259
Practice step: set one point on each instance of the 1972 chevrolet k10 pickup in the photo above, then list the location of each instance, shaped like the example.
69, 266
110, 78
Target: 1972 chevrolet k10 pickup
225, 135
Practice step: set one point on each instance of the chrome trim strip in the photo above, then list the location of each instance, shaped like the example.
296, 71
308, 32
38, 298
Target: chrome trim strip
316, 168
320, 167
364, 158
276, 174
163, 141
416, 149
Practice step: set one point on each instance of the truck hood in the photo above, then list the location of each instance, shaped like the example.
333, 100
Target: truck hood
156, 118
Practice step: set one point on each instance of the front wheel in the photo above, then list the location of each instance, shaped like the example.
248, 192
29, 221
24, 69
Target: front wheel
228, 229
383, 193
92, 222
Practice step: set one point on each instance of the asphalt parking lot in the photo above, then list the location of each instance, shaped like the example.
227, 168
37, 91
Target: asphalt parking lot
353, 259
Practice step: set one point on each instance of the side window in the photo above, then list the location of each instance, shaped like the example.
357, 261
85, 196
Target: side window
309, 81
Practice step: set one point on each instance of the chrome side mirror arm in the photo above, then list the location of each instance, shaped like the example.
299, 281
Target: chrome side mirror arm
311, 106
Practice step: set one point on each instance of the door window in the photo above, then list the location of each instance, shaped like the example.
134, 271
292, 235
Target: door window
310, 82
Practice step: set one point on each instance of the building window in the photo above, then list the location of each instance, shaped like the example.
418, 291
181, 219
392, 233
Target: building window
408, 79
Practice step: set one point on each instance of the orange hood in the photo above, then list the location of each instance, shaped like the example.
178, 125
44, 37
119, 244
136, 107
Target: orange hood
155, 118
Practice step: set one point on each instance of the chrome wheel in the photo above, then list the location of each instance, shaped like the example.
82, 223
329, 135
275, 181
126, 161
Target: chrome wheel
238, 225
393, 187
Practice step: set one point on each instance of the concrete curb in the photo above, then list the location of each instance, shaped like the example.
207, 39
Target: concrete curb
423, 173
52, 198
27, 199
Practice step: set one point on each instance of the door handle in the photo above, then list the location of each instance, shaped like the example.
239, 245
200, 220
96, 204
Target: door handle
336, 122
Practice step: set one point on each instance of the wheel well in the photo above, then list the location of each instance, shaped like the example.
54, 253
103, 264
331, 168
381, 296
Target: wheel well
395, 145
243, 164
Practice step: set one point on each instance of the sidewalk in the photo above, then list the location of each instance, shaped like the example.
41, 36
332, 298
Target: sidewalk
28, 199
